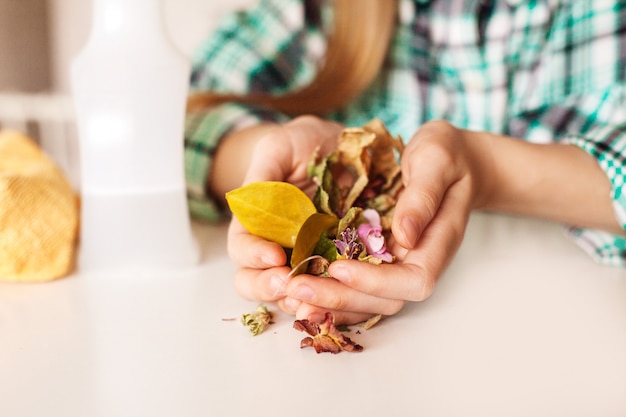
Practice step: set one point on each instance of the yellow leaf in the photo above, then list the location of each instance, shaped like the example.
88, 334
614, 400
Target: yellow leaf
272, 210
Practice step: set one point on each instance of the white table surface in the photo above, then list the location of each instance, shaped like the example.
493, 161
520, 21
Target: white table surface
523, 323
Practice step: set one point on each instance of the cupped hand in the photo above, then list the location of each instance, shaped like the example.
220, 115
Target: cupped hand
445, 174
281, 153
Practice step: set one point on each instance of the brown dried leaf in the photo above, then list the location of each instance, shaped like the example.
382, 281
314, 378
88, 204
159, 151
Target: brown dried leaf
386, 150
353, 156
364, 166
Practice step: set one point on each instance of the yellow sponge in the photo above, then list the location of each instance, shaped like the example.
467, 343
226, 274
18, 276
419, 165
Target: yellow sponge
38, 213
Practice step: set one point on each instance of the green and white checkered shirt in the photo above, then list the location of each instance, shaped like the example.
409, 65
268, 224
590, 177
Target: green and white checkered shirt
539, 70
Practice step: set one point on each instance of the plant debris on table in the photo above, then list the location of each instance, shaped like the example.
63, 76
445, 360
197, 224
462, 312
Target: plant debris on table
257, 321
349, 217
325, 337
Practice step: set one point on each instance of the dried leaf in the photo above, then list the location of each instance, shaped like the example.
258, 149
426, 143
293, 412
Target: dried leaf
365, 166
325, 337
257, 321
325, 248
371, 322
353, 156
387, 151
343, 328
272, 210
350, 219
308, 238
320, 173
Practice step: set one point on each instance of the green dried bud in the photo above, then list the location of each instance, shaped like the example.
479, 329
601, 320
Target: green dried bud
257, 321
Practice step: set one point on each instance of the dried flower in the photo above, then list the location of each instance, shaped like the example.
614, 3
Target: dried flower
325, 337
371, 233
348, 244
364, 171
257, 321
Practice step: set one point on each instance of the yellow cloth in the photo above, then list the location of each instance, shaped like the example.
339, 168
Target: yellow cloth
38, 213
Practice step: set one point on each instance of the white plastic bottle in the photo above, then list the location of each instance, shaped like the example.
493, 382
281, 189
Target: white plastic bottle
130, 85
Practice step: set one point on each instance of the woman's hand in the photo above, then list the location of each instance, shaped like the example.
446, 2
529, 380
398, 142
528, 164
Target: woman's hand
445, 176
270, 153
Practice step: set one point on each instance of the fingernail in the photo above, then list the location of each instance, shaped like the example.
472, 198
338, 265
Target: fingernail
303, 293
292, 304
340, 273
277, 285
268, 260
409, 229
316, 317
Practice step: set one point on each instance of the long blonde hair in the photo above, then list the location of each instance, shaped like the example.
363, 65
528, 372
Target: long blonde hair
362, 31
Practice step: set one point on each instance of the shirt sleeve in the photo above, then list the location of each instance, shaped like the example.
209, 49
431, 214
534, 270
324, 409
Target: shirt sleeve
607, 143
270, 48
595, 122
580, 100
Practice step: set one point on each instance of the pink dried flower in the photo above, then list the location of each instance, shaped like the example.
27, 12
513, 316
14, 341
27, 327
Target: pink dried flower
348, 244
325, 337
371, 234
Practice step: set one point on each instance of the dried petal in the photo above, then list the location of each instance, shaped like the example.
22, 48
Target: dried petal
307, 326
324, 337
372, 237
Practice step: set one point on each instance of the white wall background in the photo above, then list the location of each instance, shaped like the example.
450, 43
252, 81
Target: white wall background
188, 21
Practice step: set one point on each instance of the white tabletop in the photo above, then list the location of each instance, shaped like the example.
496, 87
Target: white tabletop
523, 323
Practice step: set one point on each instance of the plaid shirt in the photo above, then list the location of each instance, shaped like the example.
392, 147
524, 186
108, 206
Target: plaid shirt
539, 70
